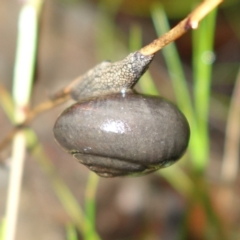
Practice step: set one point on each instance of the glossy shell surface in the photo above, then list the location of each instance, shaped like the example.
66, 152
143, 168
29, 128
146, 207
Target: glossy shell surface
118, 135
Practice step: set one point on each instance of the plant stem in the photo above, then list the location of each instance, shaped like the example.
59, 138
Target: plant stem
18, 157
22, 84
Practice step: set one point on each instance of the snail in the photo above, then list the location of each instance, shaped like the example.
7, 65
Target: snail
115, 131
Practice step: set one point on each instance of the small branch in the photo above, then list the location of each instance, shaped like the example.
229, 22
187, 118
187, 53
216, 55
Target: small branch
66, 91
55, 100
190, 22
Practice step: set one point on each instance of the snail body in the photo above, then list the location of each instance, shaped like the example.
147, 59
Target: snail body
118, 135
120, 132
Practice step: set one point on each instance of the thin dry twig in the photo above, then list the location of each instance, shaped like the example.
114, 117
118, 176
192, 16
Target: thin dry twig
190, 22
55, 100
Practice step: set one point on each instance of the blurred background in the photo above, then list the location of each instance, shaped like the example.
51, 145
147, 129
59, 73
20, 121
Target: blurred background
176, 203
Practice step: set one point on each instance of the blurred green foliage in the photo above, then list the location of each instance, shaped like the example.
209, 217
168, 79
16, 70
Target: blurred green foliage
194, 98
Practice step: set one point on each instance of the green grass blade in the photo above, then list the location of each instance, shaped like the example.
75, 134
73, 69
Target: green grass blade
135, 38
173, 174
2, 228
177, 76
109, 44
6, 103
203, 57
71, 232
173, 63
90, 203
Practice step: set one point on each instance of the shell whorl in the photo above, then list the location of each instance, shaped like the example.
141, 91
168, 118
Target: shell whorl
116, 135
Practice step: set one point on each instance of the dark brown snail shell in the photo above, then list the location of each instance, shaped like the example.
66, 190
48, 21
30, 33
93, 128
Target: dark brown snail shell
118, 135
